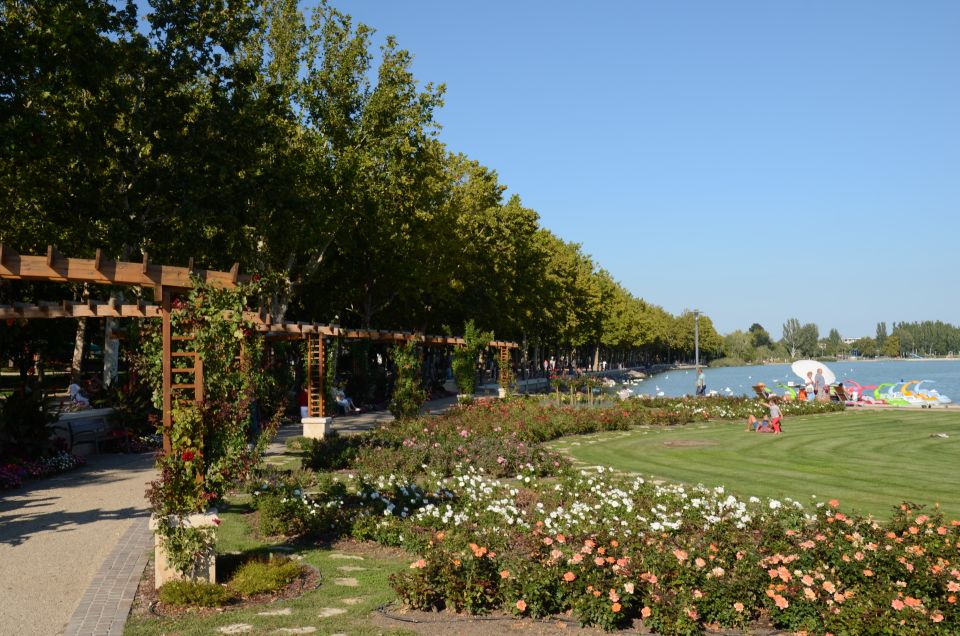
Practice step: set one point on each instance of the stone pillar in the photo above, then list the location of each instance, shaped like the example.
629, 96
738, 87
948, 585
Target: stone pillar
206, 567
315, 427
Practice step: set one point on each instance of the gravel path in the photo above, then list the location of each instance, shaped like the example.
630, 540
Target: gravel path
56, 533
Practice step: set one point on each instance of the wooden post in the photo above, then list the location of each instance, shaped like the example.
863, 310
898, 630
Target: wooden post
505, 370
165, 329
315, 376
198, 378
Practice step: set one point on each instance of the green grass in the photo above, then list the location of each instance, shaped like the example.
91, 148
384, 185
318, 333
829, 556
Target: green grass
870, 460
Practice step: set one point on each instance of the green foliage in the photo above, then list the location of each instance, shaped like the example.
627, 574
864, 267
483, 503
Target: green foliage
331, 357
332, 452
408, 394
195, 593
132, 406
759, 336
23, 425
209, 439
186, 546
286, 509
263, 577
465, 358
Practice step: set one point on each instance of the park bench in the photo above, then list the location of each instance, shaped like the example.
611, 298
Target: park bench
89, 427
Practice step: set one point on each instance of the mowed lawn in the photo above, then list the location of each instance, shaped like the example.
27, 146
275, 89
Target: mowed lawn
870, 460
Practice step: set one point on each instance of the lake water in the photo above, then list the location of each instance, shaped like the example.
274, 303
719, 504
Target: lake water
945, 376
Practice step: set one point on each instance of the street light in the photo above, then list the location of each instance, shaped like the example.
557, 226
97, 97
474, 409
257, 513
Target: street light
696, 336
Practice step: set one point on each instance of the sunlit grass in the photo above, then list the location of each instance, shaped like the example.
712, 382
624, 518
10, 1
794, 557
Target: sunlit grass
870, 460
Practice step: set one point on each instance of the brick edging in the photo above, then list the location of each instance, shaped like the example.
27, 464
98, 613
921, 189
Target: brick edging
105, 604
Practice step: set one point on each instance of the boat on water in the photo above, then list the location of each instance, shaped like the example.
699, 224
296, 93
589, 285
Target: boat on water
909, 393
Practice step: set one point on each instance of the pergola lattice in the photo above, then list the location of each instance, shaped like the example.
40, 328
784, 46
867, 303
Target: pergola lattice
165, 281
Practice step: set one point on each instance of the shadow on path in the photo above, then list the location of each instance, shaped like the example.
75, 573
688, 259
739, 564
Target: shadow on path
23, 527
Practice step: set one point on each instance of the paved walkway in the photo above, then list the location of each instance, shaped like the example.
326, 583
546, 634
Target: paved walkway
71, 545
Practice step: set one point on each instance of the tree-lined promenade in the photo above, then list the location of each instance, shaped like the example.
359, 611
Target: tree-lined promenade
263, 134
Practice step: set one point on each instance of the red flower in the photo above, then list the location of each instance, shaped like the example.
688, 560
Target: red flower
187, 455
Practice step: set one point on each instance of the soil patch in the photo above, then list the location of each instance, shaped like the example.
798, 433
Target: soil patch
688, 443
368, 549
147, 600
446, 622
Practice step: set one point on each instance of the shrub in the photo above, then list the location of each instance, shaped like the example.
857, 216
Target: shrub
286, 509
262, 577
464, 363
408, 395
197, 593
333, 452
23, 425
299, 443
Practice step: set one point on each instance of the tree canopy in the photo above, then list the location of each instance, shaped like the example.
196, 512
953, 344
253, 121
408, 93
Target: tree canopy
257, 132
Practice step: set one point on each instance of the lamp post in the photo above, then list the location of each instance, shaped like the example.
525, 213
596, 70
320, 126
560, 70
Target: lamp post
696, 337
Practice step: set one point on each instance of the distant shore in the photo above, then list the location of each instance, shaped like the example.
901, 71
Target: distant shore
768, 364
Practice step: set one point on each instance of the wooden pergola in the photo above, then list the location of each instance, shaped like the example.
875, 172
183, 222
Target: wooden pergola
167, 280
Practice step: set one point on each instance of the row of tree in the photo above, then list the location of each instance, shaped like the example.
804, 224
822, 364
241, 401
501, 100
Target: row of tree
251, 131
926, 338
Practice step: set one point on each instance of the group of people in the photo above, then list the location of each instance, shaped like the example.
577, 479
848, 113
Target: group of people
815, 385
767, 425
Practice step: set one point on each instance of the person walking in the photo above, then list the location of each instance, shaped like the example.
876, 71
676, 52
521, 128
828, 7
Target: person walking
701, 382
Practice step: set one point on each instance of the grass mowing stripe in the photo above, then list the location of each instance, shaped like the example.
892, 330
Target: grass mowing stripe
872, 460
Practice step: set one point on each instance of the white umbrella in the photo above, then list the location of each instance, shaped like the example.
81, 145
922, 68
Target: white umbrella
801, 367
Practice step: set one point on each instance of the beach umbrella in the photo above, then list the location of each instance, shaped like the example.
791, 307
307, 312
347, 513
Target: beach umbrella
801, 367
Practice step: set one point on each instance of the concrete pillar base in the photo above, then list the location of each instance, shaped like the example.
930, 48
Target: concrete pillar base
315, 427
205, 568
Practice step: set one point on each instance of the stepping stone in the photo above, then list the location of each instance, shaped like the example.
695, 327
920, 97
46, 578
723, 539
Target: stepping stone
351, 568
295, 630
286, 611
327, 612
346, 582
236, 628
352, 601
350, 557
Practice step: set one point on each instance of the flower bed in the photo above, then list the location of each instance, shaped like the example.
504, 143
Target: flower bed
12, 474
536, 539
612, 549
501, 437
737, 408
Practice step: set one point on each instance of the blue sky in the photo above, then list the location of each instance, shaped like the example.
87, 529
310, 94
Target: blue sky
756, 160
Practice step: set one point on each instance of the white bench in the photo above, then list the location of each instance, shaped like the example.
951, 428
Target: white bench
89, 426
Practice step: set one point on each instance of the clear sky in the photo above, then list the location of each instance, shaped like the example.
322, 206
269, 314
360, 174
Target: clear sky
757, 160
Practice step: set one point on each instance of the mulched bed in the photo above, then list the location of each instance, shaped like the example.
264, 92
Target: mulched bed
147, 600
448, 622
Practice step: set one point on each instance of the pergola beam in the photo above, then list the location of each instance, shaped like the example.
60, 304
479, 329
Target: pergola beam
56, 268
76, 309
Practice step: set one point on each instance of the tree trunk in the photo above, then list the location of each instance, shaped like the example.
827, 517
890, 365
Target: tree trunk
596, 357
111, 346
81, 338
111, 352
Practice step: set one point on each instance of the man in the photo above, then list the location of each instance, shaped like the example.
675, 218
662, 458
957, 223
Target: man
701, 382
820, 385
